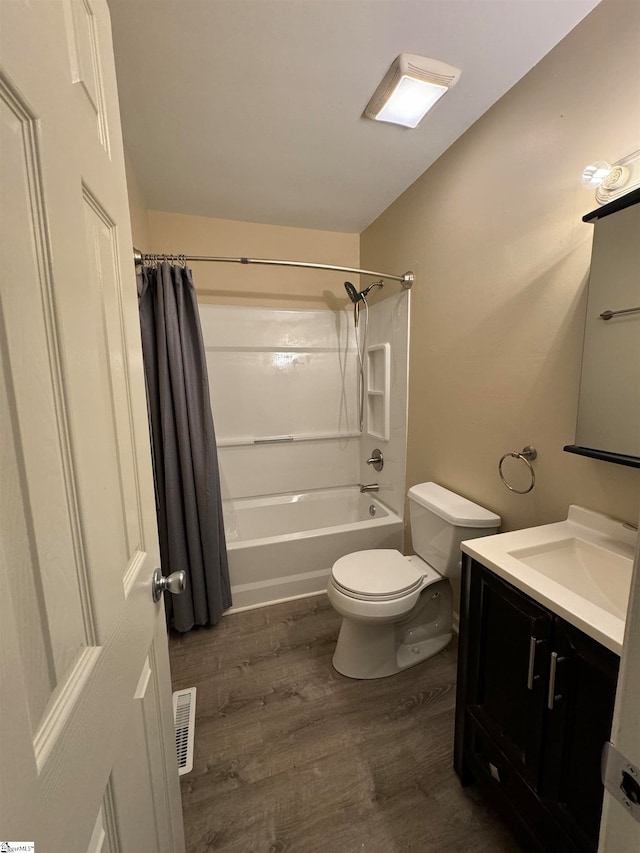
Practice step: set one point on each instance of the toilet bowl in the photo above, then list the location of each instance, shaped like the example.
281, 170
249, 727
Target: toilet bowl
397, 611
388, 630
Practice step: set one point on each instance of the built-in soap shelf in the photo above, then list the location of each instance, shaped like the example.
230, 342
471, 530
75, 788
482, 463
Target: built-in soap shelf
378, 385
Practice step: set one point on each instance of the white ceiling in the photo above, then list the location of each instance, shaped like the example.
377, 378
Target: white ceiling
252, 109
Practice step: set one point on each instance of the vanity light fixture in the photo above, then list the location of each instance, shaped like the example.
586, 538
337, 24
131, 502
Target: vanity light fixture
602, 174
611, 181
411, 86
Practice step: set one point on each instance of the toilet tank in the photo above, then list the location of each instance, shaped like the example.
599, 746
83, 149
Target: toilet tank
441, 520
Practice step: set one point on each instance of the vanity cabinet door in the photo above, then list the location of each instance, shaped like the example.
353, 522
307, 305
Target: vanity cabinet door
508, 669
580, 700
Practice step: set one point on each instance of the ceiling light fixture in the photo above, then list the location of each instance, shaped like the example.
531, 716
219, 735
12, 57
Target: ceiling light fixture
411, 86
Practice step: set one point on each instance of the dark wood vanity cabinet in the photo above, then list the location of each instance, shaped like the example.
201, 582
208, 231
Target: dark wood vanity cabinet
534, 708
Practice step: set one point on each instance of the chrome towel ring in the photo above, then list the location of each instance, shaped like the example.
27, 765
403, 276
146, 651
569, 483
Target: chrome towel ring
527, 454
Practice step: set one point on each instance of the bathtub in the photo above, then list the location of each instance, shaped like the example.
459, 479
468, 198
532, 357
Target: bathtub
284, 546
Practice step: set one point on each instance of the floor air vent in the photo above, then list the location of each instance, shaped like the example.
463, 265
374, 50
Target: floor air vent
184, 717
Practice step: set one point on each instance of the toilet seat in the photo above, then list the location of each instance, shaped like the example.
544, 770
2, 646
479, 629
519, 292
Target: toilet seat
376, 575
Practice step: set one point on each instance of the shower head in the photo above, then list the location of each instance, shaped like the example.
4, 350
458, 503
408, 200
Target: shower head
353, 294
366, 291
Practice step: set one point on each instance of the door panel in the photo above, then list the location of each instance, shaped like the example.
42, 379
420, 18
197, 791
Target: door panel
148, 829
85, 62
83, 651
100, 841
41, 538
102, 256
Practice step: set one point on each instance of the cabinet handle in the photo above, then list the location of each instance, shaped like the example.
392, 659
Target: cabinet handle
551, 696
532, 661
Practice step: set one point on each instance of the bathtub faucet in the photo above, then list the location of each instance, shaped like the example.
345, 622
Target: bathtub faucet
372, 487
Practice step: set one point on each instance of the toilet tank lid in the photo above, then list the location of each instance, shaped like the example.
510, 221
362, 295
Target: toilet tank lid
452, 507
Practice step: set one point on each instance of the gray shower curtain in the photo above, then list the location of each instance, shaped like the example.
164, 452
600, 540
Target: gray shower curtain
185, 461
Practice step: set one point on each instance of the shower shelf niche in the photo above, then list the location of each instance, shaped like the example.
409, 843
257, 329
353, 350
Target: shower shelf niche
378, 397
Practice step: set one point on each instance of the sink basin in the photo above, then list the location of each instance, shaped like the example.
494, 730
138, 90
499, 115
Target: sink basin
579, 568
600, 575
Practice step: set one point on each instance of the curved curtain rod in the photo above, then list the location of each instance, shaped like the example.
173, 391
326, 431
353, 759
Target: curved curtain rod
406, 280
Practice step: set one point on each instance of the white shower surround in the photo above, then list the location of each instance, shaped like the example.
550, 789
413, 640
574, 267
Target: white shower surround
292, 507
284, 546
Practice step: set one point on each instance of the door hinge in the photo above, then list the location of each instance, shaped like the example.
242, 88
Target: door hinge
621, 778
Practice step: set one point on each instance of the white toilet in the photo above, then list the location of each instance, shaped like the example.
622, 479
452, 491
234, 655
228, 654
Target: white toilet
397, 610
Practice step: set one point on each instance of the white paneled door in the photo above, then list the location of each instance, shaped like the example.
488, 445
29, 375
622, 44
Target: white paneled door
87, 754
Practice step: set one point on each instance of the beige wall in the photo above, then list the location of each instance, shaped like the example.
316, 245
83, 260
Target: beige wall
493, 231
236, 284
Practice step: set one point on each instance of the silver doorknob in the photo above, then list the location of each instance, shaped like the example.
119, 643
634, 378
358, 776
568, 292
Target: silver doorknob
174, 583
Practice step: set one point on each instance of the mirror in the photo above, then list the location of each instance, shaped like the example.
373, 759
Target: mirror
608, 425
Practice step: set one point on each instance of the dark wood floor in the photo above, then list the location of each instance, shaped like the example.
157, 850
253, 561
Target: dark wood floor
292, 756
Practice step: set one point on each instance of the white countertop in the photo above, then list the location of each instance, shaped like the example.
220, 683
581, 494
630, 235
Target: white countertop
579, 568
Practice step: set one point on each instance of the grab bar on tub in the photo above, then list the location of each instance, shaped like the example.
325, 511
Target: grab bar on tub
249, 441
